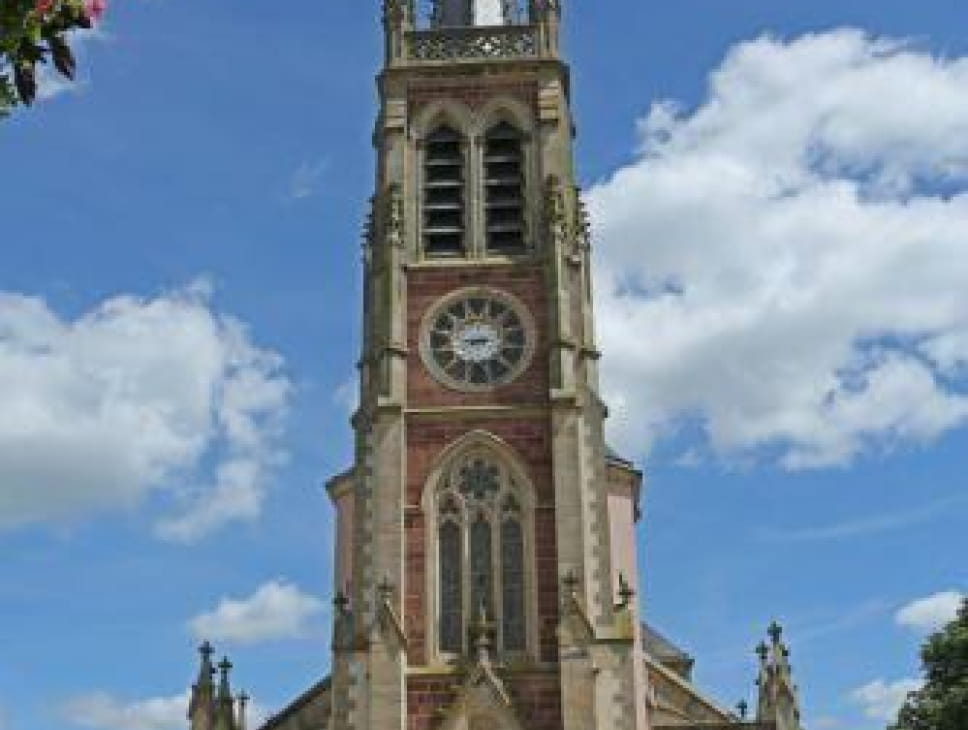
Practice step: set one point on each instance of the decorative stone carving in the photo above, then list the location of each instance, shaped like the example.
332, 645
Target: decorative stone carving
344, 631
394, 12
479, 479
557, 225
458, 44
583, 225
395, 217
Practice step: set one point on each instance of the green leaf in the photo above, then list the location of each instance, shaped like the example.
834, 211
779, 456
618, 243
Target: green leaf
63, 57
942, 704
25, 80
8, 97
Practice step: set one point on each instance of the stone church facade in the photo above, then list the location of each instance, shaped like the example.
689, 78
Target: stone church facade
486, 562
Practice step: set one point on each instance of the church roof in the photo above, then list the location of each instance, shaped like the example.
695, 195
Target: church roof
295, 708
613, 456
662, 648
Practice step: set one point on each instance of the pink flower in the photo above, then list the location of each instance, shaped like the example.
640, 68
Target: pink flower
44, 6
94, 9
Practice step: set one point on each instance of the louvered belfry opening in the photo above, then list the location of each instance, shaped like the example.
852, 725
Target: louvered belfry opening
504, 190
443, 202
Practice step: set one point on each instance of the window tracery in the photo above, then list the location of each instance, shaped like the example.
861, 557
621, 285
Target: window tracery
481, 529
474, 181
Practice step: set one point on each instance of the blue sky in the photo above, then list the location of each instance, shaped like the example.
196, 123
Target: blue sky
213, 168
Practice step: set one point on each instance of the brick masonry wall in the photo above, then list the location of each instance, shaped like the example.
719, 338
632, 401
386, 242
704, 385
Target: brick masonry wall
536, 695
536, 698
427, 698
529, 435
427, 286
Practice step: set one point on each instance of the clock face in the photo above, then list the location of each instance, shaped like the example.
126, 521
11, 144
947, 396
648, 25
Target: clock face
477, 339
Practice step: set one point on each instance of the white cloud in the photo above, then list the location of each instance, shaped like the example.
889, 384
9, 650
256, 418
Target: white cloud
135, 397
305, 180
881, 700
51, 83
786, 265
931, 613
826, 722
277, 610
102, 711
347, 394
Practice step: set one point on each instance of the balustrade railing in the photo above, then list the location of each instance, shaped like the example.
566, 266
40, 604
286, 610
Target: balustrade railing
464, 44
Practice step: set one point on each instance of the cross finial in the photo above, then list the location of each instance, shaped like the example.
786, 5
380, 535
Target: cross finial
206, 671
570, 581
776, 633
625, 591
385, 589
224, 688
481, 631
763, 651
743, 707
341, 602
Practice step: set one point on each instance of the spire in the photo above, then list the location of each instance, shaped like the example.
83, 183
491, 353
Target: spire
778, 703
242, 702
224, 704
224, 686
201, 709
742, 708
398, 17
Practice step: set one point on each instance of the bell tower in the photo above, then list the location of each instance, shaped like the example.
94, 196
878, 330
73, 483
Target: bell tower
486, 561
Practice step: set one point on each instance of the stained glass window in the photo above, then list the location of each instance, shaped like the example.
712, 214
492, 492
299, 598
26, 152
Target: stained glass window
482, 526
481, 579
479, 479
451, 590
512, 576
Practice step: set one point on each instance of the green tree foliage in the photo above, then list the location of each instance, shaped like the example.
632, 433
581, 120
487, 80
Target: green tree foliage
942, 704
34, 32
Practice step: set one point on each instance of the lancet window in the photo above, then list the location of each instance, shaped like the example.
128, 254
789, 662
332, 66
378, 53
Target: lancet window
443, 193
481, 555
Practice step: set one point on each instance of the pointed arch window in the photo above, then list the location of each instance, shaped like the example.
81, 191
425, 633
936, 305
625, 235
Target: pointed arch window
443, 193
504, 198
482, 578
451, 580
512, 576
481, 552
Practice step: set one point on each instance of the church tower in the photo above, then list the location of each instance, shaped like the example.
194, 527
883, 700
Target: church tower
486, 561
486, 568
